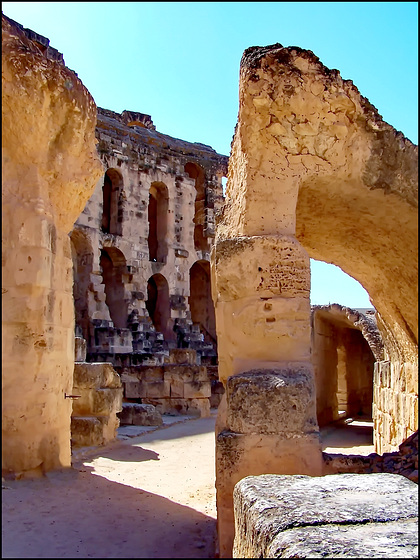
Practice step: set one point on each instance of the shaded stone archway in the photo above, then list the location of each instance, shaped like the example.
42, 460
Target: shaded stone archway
158, 222
82, 256
111, 205
345, 346
157, 305
200, 301
197, 173
113, 266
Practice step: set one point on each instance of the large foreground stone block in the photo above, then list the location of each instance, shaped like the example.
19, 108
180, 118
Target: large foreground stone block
345, 516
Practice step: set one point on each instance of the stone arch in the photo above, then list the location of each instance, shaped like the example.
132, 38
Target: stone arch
200, 301
196, 172
314, 171
111, 199
158, 222
113, 265
345, 346
158, 305
82, 257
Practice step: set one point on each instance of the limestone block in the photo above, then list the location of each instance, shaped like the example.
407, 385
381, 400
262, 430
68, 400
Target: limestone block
139, 415
158, 389
187, 373
182, 356
176, 383
269, 266
197, 390
242, 455
87, 431
200, 406
152, 374
95, 376
254, 332
135, 389
97, 402
272, 401
345, 515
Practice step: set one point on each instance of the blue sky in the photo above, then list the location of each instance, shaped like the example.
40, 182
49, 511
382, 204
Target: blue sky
179, 63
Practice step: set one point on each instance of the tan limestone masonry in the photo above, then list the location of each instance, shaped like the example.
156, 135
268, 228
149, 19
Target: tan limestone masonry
50, 168
314, 172
137, 253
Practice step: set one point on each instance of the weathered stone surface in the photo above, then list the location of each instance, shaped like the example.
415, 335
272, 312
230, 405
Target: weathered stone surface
96, 376
141, 246
343, 515
314, 167
272, 402
99, 389
139, 415
405, 461
49, 170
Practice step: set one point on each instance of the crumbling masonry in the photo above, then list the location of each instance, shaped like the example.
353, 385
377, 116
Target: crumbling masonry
314, 172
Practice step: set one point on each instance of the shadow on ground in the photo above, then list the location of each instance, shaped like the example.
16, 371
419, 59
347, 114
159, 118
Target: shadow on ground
75, 514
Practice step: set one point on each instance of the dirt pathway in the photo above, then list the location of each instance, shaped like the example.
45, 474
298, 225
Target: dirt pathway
150, 496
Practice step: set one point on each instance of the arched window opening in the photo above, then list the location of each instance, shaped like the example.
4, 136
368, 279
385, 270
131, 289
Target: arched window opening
157, 305
113, 264
200, 300
197, 173
82, 256
158, 222
112, 209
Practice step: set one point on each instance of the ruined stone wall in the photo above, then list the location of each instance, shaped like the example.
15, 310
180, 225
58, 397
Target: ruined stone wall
50, 168
152, 214
314, 172
179, 386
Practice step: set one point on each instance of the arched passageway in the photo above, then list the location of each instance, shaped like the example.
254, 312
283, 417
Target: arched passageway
113, 264
197, 173
157, 305
158, 222
200, 300
82, 256
343, 366
111, 196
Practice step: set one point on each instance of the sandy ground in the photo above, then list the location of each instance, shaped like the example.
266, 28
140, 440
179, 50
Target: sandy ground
151, 496
147, 496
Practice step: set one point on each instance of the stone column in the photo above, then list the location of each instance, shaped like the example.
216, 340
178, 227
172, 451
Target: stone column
49, 171
261, 285
267, 423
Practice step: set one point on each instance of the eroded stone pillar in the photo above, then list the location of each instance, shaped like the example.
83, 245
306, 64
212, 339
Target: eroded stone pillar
261, 285
49, 170
267, 422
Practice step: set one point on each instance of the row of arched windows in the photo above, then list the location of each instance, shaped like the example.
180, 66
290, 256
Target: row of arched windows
112, 214
113, 267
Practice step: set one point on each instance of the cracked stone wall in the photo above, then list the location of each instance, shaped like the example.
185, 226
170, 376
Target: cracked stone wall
314, 172
50, 168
